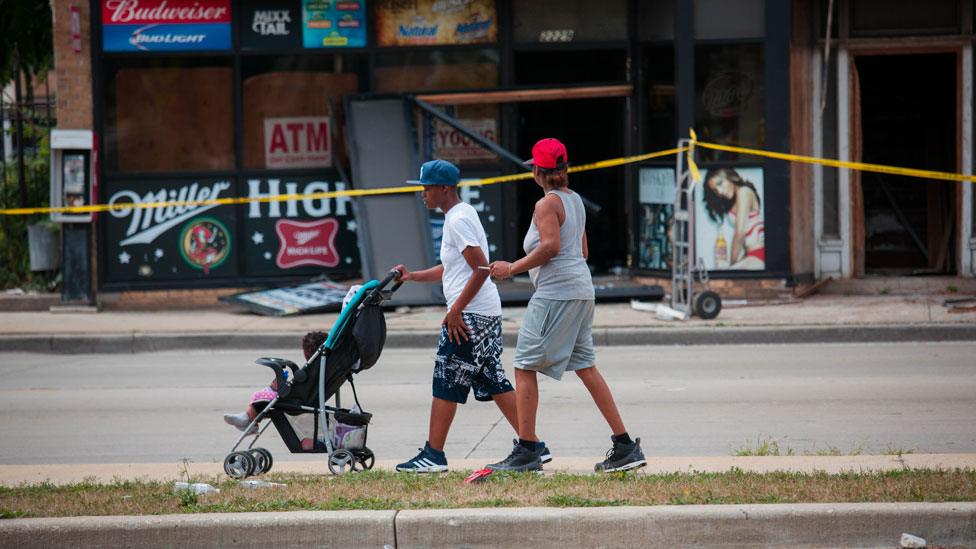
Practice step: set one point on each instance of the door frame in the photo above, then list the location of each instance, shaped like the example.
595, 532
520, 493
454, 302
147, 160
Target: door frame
848, 140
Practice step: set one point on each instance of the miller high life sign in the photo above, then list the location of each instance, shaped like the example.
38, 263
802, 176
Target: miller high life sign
307, 243
166, 25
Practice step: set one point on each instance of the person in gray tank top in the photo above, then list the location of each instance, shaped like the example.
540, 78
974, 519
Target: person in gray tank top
556, 333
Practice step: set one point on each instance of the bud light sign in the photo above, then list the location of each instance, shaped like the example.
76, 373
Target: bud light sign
165, 25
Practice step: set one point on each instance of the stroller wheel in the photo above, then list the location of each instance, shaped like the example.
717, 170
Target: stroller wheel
262, 460
366, 459
239, 465
341, 462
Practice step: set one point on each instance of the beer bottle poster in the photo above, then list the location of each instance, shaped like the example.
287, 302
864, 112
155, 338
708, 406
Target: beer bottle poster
656, 201
730, 219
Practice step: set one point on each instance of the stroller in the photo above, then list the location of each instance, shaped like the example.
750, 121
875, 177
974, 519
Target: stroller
354, 344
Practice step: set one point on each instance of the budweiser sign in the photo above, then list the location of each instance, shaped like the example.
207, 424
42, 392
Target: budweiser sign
116, 12
166, 25
307, 243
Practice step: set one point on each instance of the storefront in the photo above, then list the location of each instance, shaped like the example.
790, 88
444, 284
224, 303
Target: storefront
245, 98
892, 86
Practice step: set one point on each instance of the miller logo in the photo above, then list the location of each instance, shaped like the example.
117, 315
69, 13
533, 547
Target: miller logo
307, 243
147, 224
205, 243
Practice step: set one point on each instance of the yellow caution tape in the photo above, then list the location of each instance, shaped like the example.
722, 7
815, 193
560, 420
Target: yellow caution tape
693, 167
861, 166
321, 195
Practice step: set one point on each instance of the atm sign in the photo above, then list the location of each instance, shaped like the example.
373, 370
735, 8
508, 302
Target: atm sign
297, 142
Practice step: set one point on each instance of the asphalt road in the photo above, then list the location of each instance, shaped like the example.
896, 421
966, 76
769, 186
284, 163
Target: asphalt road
682, 401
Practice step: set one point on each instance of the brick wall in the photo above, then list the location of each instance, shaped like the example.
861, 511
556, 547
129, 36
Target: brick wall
73, 70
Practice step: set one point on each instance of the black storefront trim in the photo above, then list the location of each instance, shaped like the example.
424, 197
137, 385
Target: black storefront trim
776, 59
776, 113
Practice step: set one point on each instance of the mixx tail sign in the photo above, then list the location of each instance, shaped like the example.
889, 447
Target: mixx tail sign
166, 25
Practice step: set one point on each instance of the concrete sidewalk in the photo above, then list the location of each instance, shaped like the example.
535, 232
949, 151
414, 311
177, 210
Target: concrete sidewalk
821, 318
13, 475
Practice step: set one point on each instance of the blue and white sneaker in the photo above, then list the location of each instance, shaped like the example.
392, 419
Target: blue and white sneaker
427, 461
546, 456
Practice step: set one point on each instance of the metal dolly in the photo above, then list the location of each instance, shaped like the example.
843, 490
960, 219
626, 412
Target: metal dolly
686, 265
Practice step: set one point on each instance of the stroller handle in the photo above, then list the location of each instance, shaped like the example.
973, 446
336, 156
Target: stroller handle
394, 275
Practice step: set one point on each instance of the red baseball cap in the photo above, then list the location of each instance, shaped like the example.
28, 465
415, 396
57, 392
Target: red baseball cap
549, 154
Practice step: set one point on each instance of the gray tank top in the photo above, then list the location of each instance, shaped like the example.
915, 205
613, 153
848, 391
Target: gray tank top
565, 277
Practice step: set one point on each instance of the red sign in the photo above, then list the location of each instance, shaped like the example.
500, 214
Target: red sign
137, 12
307, 243
297, 142
453, 145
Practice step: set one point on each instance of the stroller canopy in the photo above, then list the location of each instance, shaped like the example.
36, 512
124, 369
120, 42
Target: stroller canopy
367, 327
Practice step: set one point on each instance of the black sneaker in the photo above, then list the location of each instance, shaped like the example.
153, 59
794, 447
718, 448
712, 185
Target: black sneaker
546, 456
622, 457
521, 459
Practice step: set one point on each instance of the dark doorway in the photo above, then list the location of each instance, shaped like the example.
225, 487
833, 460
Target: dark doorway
592, 130
908, 118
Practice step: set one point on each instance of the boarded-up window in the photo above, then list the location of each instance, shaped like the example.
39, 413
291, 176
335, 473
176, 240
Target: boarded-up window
430, 71
301, 99
435, 70
170, 119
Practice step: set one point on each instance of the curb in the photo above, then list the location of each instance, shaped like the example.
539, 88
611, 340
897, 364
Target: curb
744, 335
703, 526
293, 529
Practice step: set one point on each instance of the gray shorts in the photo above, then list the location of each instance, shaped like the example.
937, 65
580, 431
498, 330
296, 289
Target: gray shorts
556, 336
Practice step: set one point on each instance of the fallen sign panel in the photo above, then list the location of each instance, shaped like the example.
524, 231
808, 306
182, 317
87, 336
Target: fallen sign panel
311, 297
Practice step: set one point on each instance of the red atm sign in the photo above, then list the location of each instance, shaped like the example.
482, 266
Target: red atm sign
297, 142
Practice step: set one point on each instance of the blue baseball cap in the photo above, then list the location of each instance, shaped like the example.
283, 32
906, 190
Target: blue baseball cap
438, 172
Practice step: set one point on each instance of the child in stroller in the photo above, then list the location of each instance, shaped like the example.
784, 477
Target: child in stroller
310, 343
358, 335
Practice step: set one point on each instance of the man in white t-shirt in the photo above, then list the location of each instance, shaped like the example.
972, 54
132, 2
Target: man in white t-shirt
470, 348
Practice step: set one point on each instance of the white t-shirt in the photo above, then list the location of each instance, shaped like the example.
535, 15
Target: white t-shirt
462, 228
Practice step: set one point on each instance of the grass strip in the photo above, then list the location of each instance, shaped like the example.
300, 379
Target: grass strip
376, 490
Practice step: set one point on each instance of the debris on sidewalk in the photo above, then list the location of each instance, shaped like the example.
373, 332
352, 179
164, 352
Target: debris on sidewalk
199, 488
802, 291
961, 305
909, 541
662, 311
255, 484
316, 296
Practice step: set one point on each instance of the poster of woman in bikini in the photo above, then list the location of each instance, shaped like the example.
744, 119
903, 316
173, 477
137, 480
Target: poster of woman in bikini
729, 227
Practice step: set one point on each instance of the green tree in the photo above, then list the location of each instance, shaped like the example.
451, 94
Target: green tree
14, 257
26, 38
26, 50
